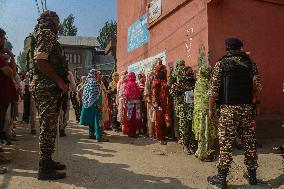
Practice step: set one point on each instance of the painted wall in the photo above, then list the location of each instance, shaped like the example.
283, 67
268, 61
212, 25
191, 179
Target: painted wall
182, 31
260, 25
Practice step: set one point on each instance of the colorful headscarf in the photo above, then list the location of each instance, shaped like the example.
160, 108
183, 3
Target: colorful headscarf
161, 72
180, 64
92, 89
185, 80
132, 88
142, 80
113, 83
123, 79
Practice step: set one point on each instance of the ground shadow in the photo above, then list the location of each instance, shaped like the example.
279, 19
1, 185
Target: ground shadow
92, 174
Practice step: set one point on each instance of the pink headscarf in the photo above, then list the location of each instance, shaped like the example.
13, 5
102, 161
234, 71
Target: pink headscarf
132, 89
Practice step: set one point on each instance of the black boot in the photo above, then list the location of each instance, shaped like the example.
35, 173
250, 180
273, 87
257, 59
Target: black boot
55, 165
219, 180
250, 176
47, 172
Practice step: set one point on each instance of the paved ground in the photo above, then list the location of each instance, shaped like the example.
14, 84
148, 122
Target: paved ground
125, 163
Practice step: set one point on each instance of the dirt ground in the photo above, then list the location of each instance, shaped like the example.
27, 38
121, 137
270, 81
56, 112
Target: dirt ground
125, 163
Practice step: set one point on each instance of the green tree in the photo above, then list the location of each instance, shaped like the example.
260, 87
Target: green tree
107, 33
68, 27
21, 62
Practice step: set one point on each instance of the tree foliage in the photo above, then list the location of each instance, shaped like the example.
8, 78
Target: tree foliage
21, 62
68, 27
107, 33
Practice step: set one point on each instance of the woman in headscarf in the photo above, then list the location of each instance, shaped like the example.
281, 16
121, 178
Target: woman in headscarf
75, 102
182, 90
148, 97
112, 93
121, 102
80, 89
105, 109
173, 79
133, 99
141, 84
91, 114
161, 103
205, 130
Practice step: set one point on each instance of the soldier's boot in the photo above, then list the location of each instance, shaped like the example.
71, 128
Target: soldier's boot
250, 176
219, 180
56, 165
47, 172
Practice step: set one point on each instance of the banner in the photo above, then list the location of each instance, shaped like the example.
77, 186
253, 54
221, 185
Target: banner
155, 10
138, 34
144, 66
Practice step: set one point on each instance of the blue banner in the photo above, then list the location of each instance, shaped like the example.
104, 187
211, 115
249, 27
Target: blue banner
138, 34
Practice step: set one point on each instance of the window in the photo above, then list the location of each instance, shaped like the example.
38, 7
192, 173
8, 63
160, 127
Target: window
75, 58
79, 59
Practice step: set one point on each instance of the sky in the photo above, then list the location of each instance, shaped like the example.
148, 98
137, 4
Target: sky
18, 17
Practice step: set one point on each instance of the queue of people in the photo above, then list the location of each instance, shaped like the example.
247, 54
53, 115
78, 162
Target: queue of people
205, 111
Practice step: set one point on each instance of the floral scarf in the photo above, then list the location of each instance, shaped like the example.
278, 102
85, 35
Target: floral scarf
92, 89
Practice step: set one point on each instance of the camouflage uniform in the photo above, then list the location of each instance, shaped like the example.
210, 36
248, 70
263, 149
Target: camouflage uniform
234, 120
46, 93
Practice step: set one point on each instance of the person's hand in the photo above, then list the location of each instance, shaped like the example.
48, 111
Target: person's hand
62, 85
211, 114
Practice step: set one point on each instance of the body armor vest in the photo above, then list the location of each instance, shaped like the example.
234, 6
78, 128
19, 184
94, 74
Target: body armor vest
237, 82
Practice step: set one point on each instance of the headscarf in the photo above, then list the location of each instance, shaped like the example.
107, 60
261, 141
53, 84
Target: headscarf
142, 80
161, 72
179, 64
123, 79
132, 88
113, 83
92, 89
185, 81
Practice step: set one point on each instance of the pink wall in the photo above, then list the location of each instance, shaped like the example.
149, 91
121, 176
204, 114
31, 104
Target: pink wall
169, 34
260, 25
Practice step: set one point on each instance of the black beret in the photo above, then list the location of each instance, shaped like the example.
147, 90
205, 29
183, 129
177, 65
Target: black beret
233, 42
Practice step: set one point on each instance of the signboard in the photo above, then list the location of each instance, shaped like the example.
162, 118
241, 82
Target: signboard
138, 34
144, 66
155, 10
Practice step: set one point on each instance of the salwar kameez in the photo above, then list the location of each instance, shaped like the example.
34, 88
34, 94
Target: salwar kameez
134, 121
161, 102
205, 130
182, 92
92, 117
133, 97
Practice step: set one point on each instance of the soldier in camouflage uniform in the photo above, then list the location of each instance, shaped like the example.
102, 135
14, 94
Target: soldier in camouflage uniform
231, 86
48, 85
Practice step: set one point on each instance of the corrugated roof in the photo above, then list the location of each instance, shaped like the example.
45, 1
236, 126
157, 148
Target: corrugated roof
78, 41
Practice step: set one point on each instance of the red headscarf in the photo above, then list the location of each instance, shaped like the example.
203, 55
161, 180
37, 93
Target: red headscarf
132, 88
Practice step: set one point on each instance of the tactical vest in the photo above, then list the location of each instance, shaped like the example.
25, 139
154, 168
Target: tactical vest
236, 83
58, 61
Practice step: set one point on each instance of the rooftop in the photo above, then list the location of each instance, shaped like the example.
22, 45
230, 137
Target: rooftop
78, 41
